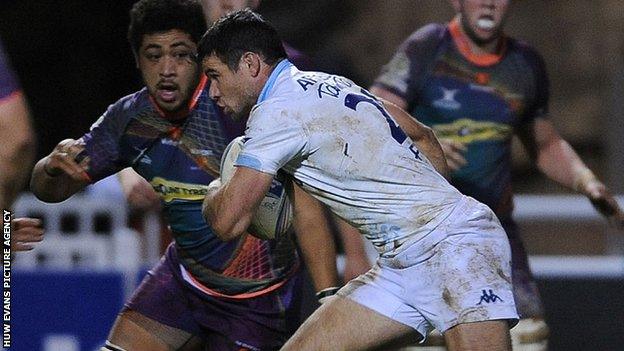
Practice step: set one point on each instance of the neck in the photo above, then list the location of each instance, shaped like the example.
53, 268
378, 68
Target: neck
268, 76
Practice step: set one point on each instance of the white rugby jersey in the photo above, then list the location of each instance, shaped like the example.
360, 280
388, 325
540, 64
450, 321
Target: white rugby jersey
344, 148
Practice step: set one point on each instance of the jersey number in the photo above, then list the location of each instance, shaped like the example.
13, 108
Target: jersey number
352, 100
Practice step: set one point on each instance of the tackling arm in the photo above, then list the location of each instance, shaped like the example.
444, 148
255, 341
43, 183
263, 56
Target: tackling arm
229, 207
315, 239
356, 258
58, 176
557, 160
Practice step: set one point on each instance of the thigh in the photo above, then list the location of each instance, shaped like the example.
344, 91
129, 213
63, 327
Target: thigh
163, 297
133, 331
485, 336
263, 322
467, 278
342, 324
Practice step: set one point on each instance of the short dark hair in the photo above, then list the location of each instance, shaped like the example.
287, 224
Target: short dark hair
153, 16
239, 32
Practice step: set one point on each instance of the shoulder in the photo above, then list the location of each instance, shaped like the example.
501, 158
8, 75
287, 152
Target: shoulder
429, 34
276, 107
132, 102
528, 53
119, 113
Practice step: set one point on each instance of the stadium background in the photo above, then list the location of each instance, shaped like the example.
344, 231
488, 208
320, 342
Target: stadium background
73, 60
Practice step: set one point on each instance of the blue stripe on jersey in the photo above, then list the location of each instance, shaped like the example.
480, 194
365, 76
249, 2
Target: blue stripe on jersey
268, 86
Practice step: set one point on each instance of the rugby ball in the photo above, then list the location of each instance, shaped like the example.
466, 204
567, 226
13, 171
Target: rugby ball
274, 216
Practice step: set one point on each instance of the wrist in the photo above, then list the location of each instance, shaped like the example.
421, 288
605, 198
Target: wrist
323, 295
582, 178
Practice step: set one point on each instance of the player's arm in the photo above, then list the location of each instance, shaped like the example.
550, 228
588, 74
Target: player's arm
315, 240
17, 147
559, 162
421, 135
138, 191
229, 207
356, 258
59, 175
453, 150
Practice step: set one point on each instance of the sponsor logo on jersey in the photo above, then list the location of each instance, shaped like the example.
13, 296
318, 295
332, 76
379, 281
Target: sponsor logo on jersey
466, 130
447, 101
202, 152
166, 141
170, 190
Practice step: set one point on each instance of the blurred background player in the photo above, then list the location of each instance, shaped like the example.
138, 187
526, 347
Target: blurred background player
141, 196
476, 87
17, 151
236, 295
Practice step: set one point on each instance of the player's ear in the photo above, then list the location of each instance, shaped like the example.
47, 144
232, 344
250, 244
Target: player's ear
251, 61
136, 60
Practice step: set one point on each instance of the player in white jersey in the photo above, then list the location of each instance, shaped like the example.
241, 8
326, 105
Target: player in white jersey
444, 258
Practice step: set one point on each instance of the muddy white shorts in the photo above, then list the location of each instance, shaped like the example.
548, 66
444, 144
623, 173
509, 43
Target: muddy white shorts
459, 273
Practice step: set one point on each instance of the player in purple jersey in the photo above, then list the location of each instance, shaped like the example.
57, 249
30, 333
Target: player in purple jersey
204, 293
476, 87
17, 151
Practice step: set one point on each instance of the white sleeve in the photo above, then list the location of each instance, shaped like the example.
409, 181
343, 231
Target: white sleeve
271, 140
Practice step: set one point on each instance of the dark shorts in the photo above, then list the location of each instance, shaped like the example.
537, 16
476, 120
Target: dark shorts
259, 323
528, 301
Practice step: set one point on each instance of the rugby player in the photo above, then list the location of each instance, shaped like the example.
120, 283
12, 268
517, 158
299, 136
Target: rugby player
443, 257
477, 87
17, 151
356, 260
204, 293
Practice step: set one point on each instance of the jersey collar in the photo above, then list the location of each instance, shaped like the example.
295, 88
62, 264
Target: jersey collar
268, 86
461, 42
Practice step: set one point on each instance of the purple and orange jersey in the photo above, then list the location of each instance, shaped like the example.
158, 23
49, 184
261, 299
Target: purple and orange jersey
179, 159
8, 83
476, 100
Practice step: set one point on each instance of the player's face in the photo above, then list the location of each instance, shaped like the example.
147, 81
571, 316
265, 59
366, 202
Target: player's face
215, 9
482, 20
231, 90
166, 61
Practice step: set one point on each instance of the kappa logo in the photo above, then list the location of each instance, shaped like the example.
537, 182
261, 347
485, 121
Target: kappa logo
489, 296
448, 100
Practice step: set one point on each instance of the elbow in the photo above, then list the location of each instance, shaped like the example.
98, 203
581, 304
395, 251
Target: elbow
224, 228
429, 134
227, 230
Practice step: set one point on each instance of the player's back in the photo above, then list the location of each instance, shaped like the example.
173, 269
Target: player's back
356, 159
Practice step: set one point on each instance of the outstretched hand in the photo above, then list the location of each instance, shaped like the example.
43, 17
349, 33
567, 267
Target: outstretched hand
66, 159
26, 233
604, 202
